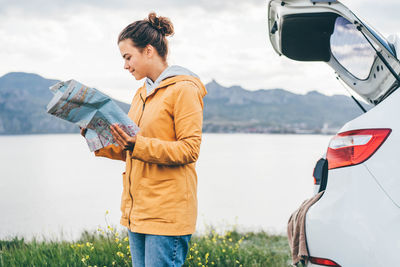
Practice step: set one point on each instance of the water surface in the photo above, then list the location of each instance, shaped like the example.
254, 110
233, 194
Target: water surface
52, 184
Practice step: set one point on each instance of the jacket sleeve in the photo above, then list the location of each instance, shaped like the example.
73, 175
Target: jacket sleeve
188, 120
111, 152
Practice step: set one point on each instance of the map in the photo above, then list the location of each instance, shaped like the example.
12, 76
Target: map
91, 109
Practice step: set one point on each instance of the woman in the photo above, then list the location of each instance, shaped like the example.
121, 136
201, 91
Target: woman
159, 199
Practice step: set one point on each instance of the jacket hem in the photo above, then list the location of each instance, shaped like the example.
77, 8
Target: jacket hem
157, 228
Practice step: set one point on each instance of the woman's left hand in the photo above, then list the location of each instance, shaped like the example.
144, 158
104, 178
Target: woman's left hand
123, 139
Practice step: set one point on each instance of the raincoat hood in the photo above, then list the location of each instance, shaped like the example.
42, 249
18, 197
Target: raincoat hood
170, 71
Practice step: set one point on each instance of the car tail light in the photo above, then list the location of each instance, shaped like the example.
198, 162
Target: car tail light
324, 262
354, 147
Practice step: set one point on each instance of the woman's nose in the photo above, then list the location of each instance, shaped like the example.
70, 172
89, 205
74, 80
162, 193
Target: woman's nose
126, 65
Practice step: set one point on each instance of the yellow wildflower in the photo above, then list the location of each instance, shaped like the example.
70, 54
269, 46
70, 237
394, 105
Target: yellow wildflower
120, 254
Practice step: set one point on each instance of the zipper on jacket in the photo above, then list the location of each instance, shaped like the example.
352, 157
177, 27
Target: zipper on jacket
129, 189
144, 104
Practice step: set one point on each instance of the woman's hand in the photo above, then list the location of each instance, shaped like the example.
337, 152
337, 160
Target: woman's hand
83, 131
123, 139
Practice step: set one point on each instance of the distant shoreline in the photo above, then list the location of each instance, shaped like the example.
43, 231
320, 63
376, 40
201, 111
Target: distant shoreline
250, 133
227, 110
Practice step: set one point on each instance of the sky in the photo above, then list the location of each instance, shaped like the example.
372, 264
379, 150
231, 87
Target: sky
225, 40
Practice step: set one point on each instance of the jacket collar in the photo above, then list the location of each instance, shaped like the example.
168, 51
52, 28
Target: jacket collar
172, 80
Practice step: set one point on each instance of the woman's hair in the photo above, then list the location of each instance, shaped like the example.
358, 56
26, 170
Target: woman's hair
152, 30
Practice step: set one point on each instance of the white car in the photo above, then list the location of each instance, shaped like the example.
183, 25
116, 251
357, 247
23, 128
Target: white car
357, 220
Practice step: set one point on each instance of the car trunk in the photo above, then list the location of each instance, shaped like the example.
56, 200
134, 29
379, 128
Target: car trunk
329, 32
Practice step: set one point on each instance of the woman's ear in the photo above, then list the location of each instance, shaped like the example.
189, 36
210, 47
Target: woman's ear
149, 50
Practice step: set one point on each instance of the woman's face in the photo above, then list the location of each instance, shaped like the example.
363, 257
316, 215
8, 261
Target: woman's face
136, 61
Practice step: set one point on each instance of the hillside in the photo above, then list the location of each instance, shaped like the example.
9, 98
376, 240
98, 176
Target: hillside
235, 109
24, 96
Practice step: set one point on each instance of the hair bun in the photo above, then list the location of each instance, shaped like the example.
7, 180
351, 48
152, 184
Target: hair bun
161, 24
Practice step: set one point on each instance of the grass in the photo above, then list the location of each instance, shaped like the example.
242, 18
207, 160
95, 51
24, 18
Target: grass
109, 247
238, 249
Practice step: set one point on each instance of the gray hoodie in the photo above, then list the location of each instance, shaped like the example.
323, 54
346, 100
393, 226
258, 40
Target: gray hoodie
171, 71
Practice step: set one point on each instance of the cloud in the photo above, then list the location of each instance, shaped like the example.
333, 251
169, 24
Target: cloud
39, 7
222, 40
382, 15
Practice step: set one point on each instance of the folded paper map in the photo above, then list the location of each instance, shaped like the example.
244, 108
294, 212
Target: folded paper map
89, 108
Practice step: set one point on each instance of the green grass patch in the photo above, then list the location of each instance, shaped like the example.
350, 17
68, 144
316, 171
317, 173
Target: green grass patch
109, 247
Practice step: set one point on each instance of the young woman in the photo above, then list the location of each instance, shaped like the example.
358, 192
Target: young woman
159, 199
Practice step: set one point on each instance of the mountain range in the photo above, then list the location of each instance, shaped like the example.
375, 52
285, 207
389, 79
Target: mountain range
24, 96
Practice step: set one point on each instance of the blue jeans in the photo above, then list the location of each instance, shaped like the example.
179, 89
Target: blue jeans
158, 250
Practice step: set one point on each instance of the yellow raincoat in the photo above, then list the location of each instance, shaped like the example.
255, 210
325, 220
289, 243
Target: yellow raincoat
160, 182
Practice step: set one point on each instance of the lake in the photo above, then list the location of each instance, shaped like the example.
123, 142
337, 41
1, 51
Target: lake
52, 186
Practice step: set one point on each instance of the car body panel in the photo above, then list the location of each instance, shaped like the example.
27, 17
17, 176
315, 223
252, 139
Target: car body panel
359, 213
384, 165
355, 223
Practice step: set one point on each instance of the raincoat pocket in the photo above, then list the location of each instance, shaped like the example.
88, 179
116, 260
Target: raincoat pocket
155, 199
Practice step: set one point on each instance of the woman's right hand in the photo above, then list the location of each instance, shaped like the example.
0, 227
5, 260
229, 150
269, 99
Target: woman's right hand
83, 131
